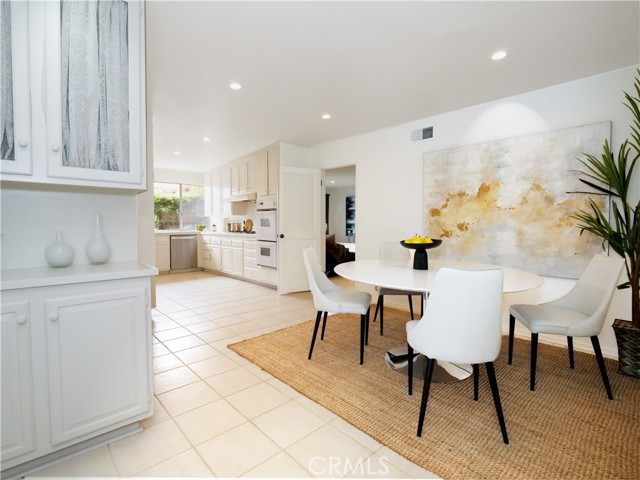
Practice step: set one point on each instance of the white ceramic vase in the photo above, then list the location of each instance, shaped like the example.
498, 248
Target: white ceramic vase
59, 253
98, 249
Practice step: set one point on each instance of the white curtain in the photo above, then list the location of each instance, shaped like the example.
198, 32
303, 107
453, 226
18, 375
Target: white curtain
6, 85
95, 84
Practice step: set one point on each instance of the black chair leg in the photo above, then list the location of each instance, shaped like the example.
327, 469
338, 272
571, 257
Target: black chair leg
363, 328
603, 370
375, 315
366, 328
534, 358
512, 327
570, 346
422, 300
381, 299
476, 375
425, 393
410, 368
324, 324
491, 373
315, 333
410, 306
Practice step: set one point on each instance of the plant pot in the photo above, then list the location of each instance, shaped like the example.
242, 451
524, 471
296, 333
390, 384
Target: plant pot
628, 338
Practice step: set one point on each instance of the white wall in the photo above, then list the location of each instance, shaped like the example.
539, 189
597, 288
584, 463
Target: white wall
338, 210
389, 180
164, 175
32, 215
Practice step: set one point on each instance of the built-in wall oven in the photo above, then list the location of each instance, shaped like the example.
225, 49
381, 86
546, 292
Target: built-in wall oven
267, 230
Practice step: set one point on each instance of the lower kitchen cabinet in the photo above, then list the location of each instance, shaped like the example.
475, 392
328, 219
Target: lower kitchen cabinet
76, 357
163, 253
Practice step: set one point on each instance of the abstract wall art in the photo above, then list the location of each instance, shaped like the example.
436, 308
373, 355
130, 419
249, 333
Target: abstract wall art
509, 202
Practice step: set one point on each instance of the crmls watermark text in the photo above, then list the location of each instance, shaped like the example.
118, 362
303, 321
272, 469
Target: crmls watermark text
345, 466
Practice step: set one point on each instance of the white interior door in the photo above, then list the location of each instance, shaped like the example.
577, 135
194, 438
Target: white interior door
299, 224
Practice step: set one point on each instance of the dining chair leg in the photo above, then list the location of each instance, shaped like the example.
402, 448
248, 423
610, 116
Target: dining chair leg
315, 332
423, 299
366, 327
410, 306
324, 324
410, 369
603, 370
512, 327
491, 373
381, 313
425, 393
375, 315
362, 334
534, 358
476, 375
570, 346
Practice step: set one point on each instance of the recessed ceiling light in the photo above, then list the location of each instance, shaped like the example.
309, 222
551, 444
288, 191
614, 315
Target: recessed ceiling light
176, 153
326, 116
206, 139
332, 181
498, 55
235, 86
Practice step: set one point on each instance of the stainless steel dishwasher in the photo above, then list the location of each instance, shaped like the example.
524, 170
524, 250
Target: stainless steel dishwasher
184, 252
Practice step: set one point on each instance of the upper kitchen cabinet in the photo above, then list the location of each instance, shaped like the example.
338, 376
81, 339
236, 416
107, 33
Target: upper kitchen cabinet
84, 99
267, 171
15, 107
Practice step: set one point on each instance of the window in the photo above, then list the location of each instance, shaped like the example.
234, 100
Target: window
178, 206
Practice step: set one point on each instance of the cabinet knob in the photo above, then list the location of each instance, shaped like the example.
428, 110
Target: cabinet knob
55, 148
53, 316
22, 143
22, 319
282, 235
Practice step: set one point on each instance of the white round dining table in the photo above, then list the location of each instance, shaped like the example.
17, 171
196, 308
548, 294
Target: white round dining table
404, 277
390, 274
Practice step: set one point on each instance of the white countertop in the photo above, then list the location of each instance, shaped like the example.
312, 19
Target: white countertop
16, 278
205, 232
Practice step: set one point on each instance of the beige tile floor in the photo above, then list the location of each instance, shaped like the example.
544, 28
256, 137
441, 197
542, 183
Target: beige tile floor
216, 414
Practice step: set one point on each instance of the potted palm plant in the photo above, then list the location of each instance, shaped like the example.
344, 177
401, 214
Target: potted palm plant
612, 174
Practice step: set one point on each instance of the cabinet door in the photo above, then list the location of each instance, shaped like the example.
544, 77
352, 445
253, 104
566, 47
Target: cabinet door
227, 259
226, 182
235, 180
15, 112
163, 253
98, 360
251, 176
18, 418
216, 192
274, 169
94, 101
216, 258
237, 263
262, 173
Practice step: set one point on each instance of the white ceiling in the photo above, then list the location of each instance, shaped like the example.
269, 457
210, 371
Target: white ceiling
370, 65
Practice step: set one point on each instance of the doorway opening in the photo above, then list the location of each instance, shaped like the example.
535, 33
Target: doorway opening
340, 216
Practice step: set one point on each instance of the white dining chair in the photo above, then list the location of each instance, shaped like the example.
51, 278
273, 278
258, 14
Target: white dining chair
329, 298
462, 324
579, 313
393, 254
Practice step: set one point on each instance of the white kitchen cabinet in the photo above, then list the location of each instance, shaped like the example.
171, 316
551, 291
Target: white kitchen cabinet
216, 257
250, 268
267, 171
163, 253
18, 415
225, 180
60, 145
251, 176
17, 158
76, 356
204, 252
232, 257
98, 358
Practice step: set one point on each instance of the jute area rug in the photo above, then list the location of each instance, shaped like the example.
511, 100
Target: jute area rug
566, 429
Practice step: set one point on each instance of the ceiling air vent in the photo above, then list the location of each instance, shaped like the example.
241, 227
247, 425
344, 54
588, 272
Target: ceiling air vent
421, 134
